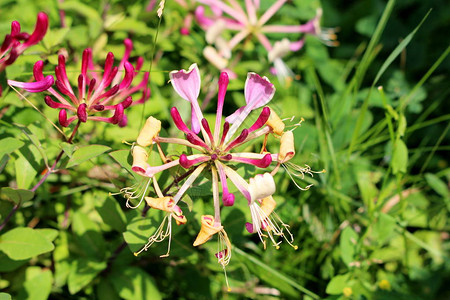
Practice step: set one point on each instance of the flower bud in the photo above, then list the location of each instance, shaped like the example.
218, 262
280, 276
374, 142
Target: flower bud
275, 123
140, 157
261, 186
150, 130
287, 148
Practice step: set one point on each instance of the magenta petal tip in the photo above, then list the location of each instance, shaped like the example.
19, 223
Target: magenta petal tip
228, 199
249, 227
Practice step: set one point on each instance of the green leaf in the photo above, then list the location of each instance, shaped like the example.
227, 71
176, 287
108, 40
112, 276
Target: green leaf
48, 233
111, 213
55, 37
17, 195
88, 234
131, 25
399, 157
67, 148
337, 284
5, 296
91, 14
23, 243
398, 50
274, 275
123, 158
347, 244
25, 173
134, 284
8, 265
82, 272
437, 185
139, 230
402, 125
384, 228
105, 291
37, 285
85, 153
8, 145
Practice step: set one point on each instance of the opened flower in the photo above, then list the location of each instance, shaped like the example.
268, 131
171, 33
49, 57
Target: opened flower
111, 92
244, 24
216, 152
16, 42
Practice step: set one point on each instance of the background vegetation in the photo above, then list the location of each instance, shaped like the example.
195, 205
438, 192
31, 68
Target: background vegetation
374, 226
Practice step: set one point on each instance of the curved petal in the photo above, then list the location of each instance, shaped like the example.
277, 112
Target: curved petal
187, 83
34, 87
258, 90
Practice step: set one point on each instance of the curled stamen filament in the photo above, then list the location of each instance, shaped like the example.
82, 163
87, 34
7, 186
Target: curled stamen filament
224, 253
137, 191
270, 224
300, 172
164, 230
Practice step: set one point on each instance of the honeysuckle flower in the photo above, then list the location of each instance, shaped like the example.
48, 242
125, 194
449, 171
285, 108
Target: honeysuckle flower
216, 152
173, 211
93, 93
16, 42
229, 15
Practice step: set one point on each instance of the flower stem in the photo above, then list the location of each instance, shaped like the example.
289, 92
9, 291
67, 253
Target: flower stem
42, 180
58, 158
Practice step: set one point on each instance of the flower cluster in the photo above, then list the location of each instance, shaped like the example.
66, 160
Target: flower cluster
245, 24
17, 42
216, 151
94, 93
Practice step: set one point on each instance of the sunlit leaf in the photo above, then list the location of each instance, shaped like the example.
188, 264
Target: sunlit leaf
23, 243
17, 195
85, 153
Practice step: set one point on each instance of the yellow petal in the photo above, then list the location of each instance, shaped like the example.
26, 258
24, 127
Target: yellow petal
268, 205
287, 148
275, 123
207, 230
140, 157
164, 203
150, 130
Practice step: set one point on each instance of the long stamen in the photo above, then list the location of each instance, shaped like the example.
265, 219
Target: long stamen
188, 182
159, 139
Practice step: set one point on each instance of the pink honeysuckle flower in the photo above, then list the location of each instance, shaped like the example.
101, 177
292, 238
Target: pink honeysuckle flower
215, 150
16, 42
245, 24
93, 93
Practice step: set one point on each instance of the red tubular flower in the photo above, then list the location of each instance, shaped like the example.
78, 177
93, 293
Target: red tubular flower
17, 42
93, 92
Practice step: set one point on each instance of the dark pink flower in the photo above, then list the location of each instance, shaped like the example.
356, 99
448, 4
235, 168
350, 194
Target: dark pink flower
93, 93
16, 42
